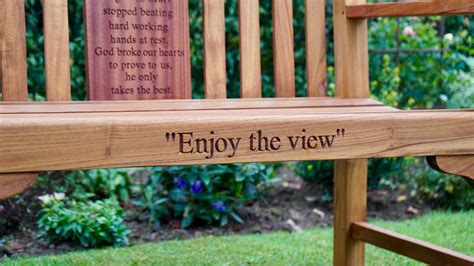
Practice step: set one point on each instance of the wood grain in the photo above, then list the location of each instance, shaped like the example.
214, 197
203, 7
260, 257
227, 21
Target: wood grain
351, 53
350, 204
462, 165
315, 21
13, 184
152, 63
13, 78
182, 105
215, 76
115, 111
407, 246
350, 176
283, 48
45, 142
249, 38
56, 50
13, 74
451, 7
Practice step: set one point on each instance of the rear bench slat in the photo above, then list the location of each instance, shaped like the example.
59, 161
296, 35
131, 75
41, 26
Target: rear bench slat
56, 50
315, 20
214, 49
13, 70
283, 48
250, 64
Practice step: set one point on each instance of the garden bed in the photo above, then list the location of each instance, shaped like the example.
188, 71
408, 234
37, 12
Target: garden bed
311, 247
291, 205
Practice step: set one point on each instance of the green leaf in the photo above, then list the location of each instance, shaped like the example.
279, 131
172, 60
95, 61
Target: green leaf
187, 221
237, 218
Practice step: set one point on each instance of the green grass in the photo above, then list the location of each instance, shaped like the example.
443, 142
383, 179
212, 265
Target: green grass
312, 247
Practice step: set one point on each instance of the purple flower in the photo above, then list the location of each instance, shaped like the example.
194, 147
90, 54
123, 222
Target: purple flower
219, 205
196, 187
180, 183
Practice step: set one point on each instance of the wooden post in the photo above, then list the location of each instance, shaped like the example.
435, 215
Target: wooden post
350, 176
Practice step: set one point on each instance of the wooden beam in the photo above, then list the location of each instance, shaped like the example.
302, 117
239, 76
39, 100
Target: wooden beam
350, 204
249, 40
56, 50
215, 75
461, 165
283, 48
13, 184
350, 176
13, 73
67, 141
407, 246
183, 105
315, 26
436, 8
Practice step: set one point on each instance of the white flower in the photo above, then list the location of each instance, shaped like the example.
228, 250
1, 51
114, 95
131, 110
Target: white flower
448, 37
59, 196
409, 31
48, 197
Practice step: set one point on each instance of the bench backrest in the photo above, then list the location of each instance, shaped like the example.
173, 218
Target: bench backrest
56, 45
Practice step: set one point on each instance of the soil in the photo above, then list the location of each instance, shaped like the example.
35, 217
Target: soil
291, 205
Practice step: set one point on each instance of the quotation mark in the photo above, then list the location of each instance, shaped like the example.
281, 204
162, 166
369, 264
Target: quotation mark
170, 136
341, 132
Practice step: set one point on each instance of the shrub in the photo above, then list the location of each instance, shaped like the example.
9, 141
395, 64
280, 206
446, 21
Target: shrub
91, 224
209, 193
319, 172
101, 184
381, 173
443, 190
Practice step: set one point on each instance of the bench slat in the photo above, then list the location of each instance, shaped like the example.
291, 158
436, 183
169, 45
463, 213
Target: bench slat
56, 50
315, 20
214, 49
249, 38
435, 8
13, 72
45, 142
283, 48
175, 105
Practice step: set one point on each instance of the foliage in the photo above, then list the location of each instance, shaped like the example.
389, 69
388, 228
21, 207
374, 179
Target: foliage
101, 184
424, 78
453, 230
381, 172
91, 224
447, 191
209, 193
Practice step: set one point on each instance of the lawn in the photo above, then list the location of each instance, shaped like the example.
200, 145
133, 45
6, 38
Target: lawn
312, 247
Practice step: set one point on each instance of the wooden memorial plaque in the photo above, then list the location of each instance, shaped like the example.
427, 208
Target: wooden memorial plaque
137, 49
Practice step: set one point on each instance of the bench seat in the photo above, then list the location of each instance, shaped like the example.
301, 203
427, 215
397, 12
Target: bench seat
82, 135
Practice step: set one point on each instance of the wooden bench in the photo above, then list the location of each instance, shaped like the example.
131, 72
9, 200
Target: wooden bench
349, 128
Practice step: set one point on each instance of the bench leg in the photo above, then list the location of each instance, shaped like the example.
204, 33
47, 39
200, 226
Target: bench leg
350, 202
13, 184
